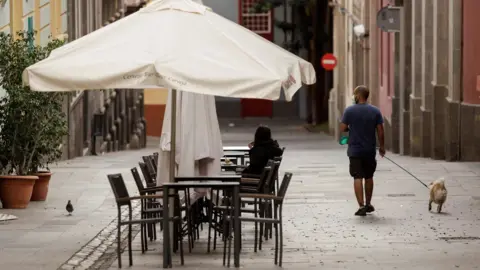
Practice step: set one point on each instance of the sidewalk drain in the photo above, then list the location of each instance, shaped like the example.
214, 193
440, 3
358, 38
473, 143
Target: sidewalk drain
401, 195
460, 238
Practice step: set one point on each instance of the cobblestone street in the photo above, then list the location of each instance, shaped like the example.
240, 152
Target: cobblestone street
320, 228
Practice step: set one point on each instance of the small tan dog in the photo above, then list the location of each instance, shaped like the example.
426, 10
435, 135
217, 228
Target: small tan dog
438, 194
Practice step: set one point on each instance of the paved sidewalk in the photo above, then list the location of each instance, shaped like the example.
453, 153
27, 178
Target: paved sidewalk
321, 230
44, 237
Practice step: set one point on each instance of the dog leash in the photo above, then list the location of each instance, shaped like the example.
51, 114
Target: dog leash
416, 178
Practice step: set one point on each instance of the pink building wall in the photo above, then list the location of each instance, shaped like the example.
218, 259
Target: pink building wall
471, 52
385, 67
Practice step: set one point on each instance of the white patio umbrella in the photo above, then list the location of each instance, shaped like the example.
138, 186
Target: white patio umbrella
175, 44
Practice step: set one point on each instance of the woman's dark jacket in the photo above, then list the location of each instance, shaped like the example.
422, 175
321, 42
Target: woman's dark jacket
260, 153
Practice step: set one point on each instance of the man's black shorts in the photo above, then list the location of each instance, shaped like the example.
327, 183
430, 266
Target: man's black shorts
362, 167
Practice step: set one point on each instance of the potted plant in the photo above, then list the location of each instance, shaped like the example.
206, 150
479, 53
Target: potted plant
32, 124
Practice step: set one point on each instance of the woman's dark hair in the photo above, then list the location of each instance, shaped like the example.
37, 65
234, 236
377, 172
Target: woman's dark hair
262, 134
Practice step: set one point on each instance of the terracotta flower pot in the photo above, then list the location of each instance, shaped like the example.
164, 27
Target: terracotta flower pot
16, 190
40, 189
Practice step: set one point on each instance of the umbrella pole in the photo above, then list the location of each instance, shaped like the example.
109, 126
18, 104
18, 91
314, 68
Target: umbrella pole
173, 134
173, 142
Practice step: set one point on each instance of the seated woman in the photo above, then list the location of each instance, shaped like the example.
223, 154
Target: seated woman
261, 150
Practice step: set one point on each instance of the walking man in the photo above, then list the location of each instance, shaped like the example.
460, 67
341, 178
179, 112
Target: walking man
362, 121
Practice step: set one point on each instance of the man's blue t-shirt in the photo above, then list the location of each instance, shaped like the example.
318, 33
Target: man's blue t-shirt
362, 121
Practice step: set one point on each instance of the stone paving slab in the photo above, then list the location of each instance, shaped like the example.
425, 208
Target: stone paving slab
321, 230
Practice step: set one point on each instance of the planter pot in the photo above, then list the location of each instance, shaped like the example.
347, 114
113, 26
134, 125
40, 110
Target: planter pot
16, 190
40, 189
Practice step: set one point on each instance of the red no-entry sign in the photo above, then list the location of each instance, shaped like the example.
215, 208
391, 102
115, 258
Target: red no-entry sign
329, 61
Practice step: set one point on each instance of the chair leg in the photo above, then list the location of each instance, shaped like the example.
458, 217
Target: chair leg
141, 238
130, 256
178, 213
271, 225
255, 208
217, 221
231, 227
210, 212
145, 237
225, 237
262, 215
281, 239
180, 243
215, 232
276, 242
119, 243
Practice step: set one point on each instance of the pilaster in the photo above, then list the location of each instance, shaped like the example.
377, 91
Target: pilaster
416, 79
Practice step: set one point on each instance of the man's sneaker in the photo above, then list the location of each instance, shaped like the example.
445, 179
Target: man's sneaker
370, 208
362, 211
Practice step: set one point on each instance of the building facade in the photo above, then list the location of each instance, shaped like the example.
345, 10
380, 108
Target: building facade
425, 78
98, 121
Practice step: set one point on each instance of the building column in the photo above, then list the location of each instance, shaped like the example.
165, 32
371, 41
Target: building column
439, 78
333, 98
372, 81
406, 78
427, 88
416, 75
340, 70
365, 42
452, 124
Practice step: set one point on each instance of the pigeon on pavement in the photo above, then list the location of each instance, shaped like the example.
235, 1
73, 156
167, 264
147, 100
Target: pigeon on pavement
69, 208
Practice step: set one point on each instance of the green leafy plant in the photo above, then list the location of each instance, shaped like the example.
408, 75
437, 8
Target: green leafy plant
32, 124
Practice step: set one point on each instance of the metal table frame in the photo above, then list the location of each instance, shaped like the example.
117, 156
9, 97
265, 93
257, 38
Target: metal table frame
228, 183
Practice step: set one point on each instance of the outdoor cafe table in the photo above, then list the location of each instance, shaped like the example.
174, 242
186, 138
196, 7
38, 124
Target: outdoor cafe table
236, 148
240, 157
221, 182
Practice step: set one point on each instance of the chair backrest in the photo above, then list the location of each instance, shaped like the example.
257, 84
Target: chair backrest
146, 175
150, 168
155, 158
272, 177
138, 180
284, 186
265, 177
119, 189
154, 163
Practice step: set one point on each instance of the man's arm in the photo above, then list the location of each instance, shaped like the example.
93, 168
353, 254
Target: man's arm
381, 134
343, 127
345, 122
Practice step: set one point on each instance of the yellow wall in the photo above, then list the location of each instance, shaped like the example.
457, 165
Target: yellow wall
156, 96
49, 18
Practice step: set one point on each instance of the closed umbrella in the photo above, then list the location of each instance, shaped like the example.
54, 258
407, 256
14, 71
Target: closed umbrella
198, 139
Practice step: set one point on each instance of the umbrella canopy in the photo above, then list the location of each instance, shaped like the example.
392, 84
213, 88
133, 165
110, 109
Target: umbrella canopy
175, 44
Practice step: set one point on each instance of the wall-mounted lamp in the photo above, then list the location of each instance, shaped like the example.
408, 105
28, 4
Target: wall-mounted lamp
360, 31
